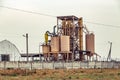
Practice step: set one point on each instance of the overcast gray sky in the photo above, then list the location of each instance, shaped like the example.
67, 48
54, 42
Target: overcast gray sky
13, 24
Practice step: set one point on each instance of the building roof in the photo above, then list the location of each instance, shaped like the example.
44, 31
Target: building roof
7, 46
31, 55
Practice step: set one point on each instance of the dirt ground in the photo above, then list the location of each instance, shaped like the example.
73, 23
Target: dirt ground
60, 74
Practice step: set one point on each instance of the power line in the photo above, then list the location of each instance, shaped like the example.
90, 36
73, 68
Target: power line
27, 11
32, 12
103, 24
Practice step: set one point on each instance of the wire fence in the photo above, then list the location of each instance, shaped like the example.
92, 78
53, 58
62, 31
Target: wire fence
59, 65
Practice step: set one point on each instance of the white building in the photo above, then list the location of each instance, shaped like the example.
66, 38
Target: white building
8, 51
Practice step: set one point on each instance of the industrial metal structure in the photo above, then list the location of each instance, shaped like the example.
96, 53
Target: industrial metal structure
66, 40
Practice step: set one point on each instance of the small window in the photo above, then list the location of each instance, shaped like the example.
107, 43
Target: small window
5, 58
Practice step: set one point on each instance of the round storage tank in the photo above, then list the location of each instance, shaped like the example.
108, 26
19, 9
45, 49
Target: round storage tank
90, 42
55, 44
46, 48
65, 43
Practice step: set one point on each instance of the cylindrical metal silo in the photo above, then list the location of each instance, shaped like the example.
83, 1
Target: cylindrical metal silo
46, 48
65, 43
90, 42
55, 44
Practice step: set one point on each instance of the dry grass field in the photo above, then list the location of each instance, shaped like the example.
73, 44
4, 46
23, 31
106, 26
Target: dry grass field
61, 74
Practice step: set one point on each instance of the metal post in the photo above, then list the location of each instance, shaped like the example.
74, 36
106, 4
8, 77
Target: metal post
27, 45
109, 55
39, 53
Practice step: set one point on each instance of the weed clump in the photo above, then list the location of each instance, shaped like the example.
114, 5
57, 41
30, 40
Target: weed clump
118, 74
70, 77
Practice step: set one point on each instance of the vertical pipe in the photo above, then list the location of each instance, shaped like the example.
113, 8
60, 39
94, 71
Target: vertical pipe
67, 56
73, 41
80, 23
57, 26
